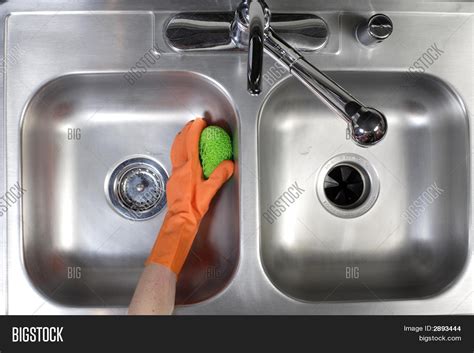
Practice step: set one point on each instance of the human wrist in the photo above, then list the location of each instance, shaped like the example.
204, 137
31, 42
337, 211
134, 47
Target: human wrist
174, 241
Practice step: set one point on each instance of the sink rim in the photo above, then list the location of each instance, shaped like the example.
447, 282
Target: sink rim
262, 297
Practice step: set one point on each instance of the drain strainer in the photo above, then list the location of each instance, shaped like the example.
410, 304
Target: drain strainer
136, 188
347, 185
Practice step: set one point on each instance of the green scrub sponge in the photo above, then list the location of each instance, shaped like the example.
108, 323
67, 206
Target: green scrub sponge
214, 147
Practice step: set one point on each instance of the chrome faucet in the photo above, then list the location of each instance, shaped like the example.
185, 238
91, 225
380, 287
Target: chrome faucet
250, 28
251, 22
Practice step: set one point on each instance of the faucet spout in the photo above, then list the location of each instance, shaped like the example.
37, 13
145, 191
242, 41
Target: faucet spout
367, 125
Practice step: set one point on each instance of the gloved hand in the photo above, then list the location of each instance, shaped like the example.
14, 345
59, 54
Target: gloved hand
188, 195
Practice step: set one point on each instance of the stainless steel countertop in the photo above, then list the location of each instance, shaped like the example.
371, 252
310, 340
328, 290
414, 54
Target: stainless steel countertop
416, 26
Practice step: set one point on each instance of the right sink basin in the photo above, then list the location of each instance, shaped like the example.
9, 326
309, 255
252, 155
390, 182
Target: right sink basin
342, 222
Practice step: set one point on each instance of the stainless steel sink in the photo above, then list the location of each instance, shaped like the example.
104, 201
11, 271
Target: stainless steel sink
68, 223
72, 122
319, 240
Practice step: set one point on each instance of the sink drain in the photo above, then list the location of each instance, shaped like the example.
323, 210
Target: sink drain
347, 185
136, 188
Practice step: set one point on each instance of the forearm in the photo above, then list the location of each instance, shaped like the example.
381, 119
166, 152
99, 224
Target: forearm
155, 293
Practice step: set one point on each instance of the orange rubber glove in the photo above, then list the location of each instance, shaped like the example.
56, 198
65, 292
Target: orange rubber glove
188, 195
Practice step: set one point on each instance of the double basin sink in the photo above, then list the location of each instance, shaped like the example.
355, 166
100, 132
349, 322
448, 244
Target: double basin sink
308, 217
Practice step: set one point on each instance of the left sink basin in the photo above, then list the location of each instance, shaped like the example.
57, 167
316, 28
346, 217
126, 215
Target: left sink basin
77, 249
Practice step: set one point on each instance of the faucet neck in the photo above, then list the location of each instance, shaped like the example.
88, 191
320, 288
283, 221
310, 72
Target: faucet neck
248, 14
